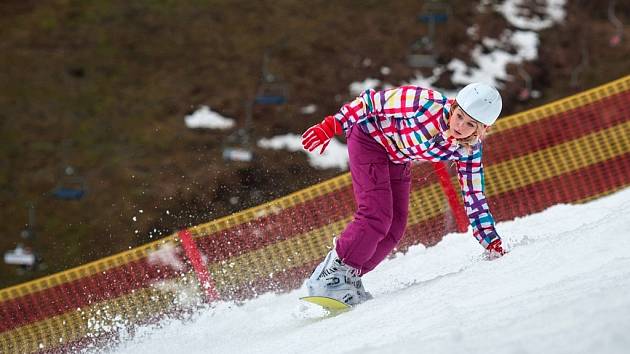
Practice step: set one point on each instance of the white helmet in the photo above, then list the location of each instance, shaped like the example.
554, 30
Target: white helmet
481, 102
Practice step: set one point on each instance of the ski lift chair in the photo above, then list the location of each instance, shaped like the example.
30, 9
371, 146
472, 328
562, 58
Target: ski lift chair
271, 93
419, 60
434, 12
420, 54
70, 188
271, 90
236, 147
433, 17
615, 39
237, 154
21, 256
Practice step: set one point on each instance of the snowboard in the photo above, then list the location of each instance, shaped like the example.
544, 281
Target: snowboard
327, 303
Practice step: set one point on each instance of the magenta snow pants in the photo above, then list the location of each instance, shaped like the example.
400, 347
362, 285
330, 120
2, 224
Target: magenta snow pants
381, 191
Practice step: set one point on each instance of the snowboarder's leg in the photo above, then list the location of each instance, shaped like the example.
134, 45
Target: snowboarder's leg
339, 275
400, 177
369, 167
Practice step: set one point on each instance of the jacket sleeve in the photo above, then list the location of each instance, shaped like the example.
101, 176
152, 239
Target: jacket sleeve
471, 181
400, 102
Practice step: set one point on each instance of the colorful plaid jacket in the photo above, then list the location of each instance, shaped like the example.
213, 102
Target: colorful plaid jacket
410, 123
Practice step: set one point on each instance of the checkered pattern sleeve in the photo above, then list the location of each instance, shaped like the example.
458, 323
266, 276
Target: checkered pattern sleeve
400, 102
353, 112
471, 180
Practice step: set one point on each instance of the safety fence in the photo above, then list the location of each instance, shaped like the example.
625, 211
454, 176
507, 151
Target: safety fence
570, 151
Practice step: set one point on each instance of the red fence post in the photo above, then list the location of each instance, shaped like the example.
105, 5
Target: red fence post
458, 210
200, 268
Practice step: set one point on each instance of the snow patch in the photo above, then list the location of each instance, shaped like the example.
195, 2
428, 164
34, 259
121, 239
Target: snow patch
356, 88
537, 16
204, 117
335, 156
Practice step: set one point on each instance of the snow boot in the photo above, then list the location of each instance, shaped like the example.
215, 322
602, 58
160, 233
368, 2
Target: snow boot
335, 279
358, 284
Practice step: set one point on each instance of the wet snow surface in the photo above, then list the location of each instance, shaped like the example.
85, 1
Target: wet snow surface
563, 288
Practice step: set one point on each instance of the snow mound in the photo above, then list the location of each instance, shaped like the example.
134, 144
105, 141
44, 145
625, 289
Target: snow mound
563, 288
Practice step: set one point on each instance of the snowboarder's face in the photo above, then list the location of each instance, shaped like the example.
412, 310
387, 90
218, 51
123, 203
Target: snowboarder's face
461, 126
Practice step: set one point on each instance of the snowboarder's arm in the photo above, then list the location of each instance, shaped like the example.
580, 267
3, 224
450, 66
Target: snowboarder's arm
471, 180
400, 102
320, 134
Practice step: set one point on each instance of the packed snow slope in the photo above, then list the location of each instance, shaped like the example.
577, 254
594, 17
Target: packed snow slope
563, 288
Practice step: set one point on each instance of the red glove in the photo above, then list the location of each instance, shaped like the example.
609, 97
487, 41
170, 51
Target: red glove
495, 249
321, 134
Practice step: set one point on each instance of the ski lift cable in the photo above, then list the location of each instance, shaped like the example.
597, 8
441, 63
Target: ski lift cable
525, 75
526, 91
31, 219
237, 146
266, 75
581, 66
613, 18
616, 22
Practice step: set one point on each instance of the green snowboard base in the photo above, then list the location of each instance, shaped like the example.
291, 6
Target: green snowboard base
328, 303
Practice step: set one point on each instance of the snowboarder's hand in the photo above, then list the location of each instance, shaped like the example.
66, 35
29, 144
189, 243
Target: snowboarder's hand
495, 249
321, 134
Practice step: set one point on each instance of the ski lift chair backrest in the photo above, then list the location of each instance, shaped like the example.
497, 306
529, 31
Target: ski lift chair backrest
70, 189
68, 193
421, 60
436, 12
271, 93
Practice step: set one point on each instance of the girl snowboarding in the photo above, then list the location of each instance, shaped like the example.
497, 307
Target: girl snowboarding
385, 131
